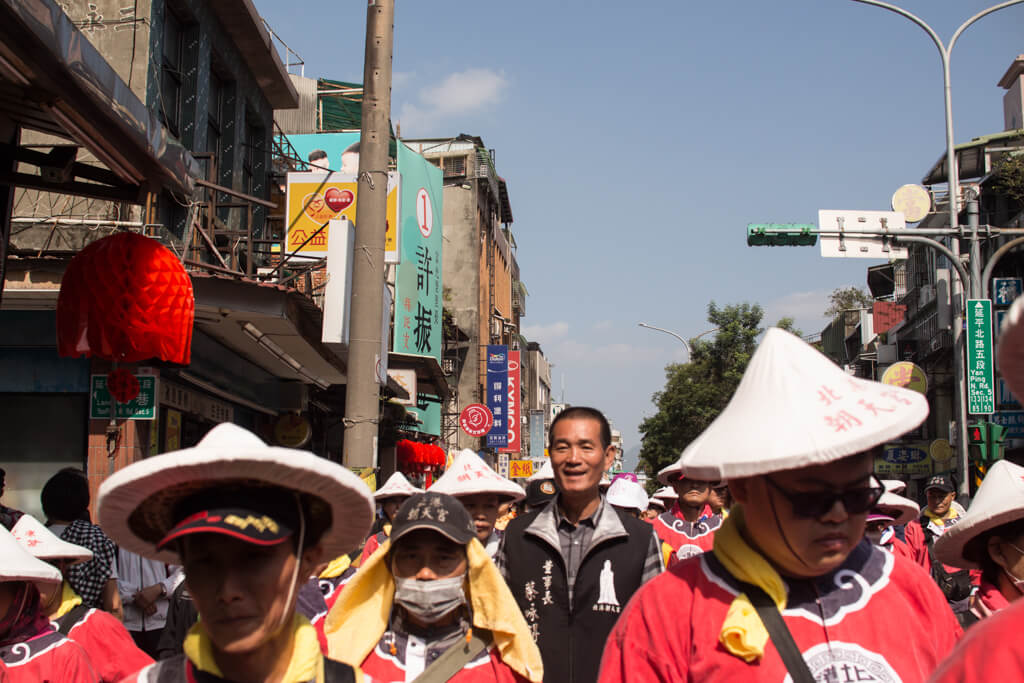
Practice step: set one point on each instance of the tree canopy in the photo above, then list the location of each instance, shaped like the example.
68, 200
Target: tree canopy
696, 391
846, 299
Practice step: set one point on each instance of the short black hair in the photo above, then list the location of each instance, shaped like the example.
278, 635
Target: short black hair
583, 413
317, 155
65, 496
977, 548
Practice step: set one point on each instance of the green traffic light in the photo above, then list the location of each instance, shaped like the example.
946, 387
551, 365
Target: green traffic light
781, 235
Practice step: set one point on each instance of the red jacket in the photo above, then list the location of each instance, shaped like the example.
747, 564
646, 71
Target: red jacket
111, 650
46, 657
992, 651
845, 620
686, 538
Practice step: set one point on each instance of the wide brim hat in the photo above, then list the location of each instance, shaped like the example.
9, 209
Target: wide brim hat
19, 565
627, 494
902, 510
666, 493
796, 408
42, 543
656, 502
546, 471
136, 505
1000, 499
469, 475
1010, 349
396, 486
894, 485
666, 474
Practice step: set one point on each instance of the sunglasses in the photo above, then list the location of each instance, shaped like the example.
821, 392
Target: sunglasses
814, 504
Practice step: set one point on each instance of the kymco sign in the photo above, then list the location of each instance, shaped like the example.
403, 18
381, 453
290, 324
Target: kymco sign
512, 411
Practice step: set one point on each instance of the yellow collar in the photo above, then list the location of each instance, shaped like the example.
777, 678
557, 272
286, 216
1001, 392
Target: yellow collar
306, 660
69, 599
941, 521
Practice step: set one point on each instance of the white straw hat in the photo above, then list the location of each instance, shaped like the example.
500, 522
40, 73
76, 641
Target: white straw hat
894, 485
136, 505
42, 543
655, 502
470, 475
545, 472
796, 408
17, 564
1010, 350
1000, 499
901, 509
396, 485
627, 494
666, 493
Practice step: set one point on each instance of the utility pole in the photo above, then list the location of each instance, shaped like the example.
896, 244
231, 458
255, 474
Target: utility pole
362, 396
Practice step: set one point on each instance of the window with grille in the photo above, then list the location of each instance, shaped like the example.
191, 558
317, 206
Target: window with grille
171, 72
454, 166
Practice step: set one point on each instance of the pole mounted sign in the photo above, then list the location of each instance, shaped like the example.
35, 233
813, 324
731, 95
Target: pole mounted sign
980, 394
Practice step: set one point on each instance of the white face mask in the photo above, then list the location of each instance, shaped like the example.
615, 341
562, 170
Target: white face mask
1017, 583
430, 600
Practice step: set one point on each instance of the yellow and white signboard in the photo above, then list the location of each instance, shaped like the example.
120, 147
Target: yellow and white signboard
315, 198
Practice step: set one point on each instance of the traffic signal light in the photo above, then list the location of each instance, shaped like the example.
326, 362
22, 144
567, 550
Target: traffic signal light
986, 441
781, 235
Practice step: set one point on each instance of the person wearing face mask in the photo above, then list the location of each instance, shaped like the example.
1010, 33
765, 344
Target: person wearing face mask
105, 640
249, 523
688, 528
431, 606
891, 511
482, 491
790, 588
990, 538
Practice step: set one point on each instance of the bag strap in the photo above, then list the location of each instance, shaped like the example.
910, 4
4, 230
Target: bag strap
69, 620
457, 656
779, 633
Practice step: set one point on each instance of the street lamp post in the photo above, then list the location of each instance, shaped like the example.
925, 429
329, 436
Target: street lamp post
685, 344
973, 284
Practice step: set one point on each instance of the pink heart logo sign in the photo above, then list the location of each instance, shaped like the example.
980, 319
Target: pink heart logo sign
476, 419
338, 200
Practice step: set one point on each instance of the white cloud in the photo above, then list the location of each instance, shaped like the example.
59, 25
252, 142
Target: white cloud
546, 334
458, 94
806, 308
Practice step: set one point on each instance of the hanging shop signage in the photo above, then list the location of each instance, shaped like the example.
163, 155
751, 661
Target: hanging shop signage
497, 394
503, 464
418, 295
142, 407
292, 431
537, 434
911, 459
476, 419
407, 380
520, 469
515, 427
188, 401
427, 410
906, 374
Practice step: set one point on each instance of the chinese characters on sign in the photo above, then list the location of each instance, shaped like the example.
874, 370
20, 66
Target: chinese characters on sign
980, 394
912, 459
521, 469
142, 407
497, 394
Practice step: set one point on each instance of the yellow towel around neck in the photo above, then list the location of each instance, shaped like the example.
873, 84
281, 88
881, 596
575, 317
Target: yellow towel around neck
743, 634
336, 567
360, 616
69, 599
307, 663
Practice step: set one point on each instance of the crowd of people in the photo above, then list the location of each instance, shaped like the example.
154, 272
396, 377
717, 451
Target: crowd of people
770, 553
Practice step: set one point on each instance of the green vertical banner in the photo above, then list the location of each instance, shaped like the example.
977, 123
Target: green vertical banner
418, 300
980, 394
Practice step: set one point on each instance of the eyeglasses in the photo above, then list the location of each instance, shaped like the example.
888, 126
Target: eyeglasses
814, 504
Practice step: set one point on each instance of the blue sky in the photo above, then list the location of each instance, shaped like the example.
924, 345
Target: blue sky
639, 141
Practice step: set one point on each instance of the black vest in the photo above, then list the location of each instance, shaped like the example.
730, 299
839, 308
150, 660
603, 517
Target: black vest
571, 638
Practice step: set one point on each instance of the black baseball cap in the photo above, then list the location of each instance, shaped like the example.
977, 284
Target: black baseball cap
539, 492
435, 511
244, 524
943, 482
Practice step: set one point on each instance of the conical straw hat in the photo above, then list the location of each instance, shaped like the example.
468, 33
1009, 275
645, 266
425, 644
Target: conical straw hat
628, 494
396, 485
903, 509
42, 543
1000, 499
665, 493
470, 475
795, 408
545, 472
17, 564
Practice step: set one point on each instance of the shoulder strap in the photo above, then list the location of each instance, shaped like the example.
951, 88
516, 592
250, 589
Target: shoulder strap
338, 672
454, 658
779, 633
68, 621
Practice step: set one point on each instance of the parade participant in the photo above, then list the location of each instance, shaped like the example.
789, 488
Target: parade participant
8, 516
248, 522
890, 511
506, 513
720, 500
990, 537
688, 528
790, 586
654, 508
395, 491
937, 518
65, 500
432, 606
574, 564
30, 649
108, 645
482, 491
539, 493
628, 496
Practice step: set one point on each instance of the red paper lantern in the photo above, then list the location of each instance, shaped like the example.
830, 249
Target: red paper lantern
123, 385
126, 298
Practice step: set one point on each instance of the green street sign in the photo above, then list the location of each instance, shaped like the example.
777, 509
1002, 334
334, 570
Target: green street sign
781, 235
980, 394
142, 407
